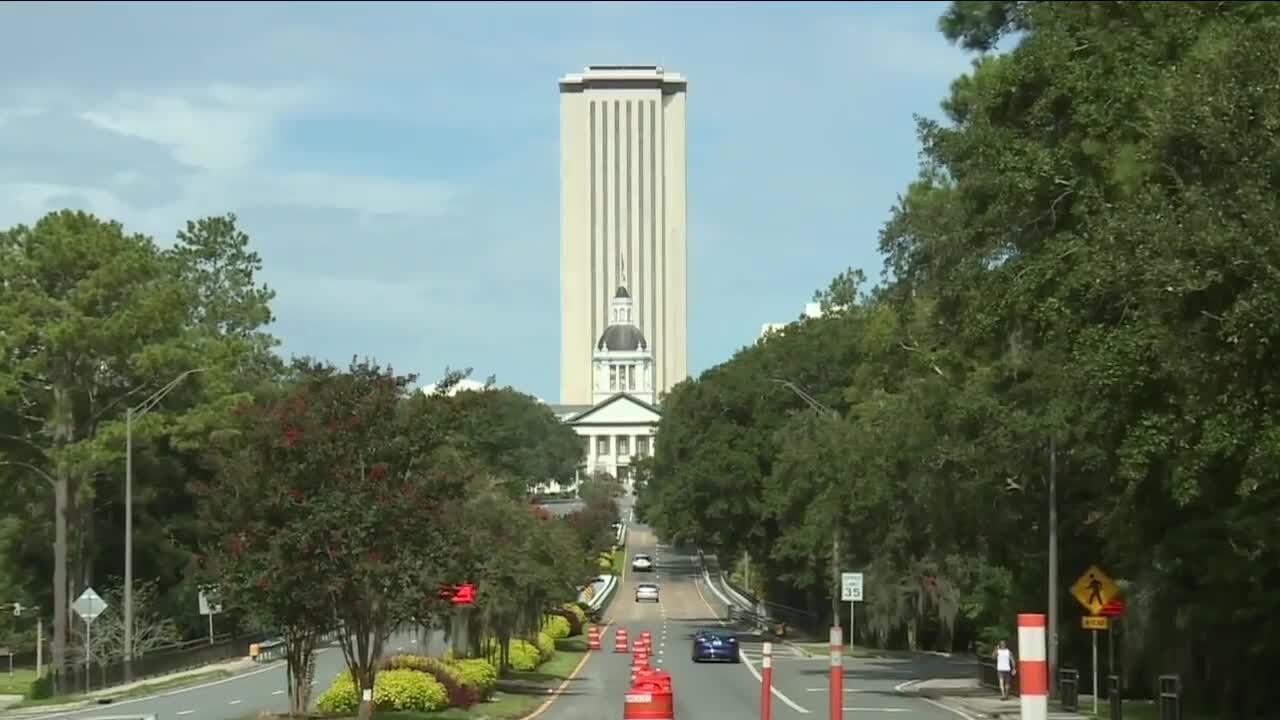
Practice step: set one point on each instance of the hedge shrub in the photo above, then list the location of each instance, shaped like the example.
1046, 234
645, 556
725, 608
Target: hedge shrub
392, 690
571, 617
524, 655
556, 627
579, 611
409, 690
546, 647
477, 673
459, 694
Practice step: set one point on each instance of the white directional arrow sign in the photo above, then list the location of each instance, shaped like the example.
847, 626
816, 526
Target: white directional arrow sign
89, 605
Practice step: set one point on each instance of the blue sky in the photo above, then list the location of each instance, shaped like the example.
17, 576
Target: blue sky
397, 164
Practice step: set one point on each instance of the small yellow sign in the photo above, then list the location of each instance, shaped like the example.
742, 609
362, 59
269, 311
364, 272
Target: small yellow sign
1094, 622
1094, 589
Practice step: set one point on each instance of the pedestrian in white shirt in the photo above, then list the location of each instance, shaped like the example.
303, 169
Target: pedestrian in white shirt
1004, 667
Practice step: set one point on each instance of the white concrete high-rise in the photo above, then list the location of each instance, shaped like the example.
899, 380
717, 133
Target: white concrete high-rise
622, 217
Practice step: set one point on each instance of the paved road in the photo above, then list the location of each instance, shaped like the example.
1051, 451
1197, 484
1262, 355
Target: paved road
729, 691
239, 696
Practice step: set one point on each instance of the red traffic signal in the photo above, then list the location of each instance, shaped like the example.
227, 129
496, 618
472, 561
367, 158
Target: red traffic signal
463, 594
466, 595
1115, 608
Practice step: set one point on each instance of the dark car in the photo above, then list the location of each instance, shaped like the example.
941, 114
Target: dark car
716, 645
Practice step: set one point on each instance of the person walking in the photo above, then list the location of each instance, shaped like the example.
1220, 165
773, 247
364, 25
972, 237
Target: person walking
1004, 668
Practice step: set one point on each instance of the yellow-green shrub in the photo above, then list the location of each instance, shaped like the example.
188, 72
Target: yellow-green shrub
409, 690
556, 627
341, 697
576, 609
392, 690
476, 673
546, 646
524, 655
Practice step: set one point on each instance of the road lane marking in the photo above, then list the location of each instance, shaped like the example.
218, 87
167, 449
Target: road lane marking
278, 692
874, 709
556, 692
901, 688
746, 661
184, 712
235, 702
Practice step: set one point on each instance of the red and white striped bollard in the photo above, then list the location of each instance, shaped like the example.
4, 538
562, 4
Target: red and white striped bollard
1033, 669
766, 682
837, 673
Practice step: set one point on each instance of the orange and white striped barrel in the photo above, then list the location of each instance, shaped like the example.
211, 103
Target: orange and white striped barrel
650, 698
1033, 670
620, 641
593, 638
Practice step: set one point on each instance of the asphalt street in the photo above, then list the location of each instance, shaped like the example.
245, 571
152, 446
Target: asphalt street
239, 696
710, 691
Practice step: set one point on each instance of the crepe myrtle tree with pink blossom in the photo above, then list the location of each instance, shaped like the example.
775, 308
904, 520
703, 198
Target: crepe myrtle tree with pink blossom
332, 510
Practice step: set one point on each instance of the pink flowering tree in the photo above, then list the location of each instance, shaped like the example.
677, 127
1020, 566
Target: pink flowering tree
330, 513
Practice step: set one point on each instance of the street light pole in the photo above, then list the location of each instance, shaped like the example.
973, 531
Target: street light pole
837, 634
130, 414
1052, 665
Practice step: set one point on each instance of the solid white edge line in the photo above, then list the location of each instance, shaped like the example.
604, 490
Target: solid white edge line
746, 661
901, 689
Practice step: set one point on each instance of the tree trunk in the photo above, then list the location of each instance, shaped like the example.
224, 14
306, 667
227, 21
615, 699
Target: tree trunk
300, 665
60, 571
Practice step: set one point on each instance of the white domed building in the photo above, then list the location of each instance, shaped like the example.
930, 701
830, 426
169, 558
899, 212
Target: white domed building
620, 424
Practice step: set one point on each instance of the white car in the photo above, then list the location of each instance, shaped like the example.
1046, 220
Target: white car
642, 563
646, 591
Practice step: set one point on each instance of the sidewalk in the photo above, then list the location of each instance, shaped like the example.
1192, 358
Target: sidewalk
157, 682
974, 700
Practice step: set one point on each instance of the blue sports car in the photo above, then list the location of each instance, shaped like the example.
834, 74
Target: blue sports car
716, 645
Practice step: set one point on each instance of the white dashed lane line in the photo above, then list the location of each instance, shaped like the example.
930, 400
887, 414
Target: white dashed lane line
235, 702
185, 712
278, 692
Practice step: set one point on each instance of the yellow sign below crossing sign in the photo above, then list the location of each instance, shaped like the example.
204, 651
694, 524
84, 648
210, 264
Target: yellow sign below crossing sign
1093, 622
1094, 589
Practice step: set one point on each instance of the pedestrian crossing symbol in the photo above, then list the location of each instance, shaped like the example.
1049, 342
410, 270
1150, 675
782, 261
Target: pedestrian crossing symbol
1094, 589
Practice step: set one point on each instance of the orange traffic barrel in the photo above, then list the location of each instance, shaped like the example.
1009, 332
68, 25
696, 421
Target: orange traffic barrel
650, 698
620, 644
593, 638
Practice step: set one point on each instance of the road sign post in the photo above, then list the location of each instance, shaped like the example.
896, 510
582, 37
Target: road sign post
88, 606
210, 601
851, 592
1095, 591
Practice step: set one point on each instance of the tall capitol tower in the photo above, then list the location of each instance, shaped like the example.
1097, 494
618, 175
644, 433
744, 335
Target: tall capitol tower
622, 217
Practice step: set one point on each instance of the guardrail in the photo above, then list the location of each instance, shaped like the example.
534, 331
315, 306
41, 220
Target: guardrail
274, 649
600, 600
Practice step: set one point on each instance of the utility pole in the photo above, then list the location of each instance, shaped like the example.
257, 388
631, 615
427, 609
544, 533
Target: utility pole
131, 414
1053, 568
836, 692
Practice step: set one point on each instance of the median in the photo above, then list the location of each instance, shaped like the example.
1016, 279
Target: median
453, 688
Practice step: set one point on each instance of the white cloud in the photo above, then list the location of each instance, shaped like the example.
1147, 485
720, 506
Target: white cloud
223, 127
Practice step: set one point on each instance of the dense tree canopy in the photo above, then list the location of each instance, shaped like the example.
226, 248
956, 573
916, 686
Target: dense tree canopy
1088, 261
95, 321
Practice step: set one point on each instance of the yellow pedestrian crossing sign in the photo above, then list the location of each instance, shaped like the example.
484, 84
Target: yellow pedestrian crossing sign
1094, 589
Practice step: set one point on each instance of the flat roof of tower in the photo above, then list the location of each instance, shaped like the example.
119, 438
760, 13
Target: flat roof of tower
623, 76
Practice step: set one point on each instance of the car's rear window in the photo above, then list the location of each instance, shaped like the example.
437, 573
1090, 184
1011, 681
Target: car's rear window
648, 587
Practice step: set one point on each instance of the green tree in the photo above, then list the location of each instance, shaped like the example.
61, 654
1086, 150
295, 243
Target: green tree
89, 313
334, 476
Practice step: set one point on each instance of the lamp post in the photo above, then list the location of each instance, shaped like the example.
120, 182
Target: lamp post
837, 640
130, 414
